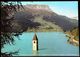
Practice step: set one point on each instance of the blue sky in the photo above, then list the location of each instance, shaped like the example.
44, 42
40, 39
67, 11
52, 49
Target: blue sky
66, 8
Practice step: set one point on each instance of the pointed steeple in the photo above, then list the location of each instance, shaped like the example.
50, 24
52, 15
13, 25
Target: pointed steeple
35, 37
35, 42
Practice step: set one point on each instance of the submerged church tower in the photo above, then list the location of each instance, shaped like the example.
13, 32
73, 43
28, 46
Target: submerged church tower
35, 43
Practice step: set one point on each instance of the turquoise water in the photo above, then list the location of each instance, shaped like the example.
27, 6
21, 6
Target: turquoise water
50, 43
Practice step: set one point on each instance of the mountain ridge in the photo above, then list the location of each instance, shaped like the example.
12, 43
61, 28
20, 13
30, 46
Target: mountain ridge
41, 18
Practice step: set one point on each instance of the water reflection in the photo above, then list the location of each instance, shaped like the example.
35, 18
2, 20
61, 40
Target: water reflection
42, 48
35, 53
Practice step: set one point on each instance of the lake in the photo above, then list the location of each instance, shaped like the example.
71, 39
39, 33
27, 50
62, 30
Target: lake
50, 43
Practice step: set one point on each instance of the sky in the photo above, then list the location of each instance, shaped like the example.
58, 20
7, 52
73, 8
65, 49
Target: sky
66, 8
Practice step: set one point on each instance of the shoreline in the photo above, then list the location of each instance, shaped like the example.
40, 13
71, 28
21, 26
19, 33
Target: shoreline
71, 40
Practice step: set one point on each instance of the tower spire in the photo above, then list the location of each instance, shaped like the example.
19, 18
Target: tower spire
35, 42
35, 37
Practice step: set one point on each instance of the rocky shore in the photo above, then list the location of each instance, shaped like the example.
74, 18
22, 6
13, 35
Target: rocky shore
72, 40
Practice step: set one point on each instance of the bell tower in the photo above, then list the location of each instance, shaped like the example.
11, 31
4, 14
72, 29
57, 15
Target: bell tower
35, 43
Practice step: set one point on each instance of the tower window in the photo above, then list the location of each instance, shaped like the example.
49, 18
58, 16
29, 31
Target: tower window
34, 41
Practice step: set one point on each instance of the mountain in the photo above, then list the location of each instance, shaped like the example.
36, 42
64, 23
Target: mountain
38, 7
76, 17
41, 18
